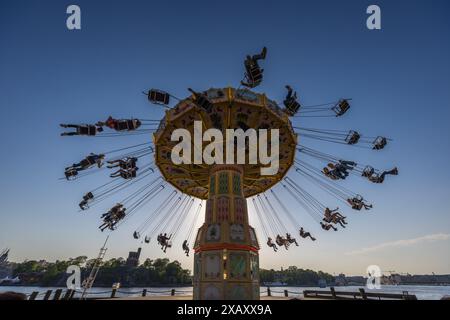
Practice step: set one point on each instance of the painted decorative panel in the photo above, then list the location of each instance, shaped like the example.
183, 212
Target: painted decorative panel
212, 265
238, 266
223, 209
213, 233
209, 210
237, 233
239, 210
212, 292
212, 185
223, 182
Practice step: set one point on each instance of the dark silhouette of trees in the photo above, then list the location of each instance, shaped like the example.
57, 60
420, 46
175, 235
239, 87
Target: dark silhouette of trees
294, 276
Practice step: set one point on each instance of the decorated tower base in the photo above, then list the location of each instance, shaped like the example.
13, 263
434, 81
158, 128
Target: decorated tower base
226, 263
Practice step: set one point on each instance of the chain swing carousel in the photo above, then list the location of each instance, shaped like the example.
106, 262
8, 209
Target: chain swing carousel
226, 247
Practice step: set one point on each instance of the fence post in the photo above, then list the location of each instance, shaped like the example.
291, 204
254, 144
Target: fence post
33, 295
172, 292
269, 294
72, 294
333, 293
286, 294
144, 292
57, 294
113, 293
67, 294
47, 294
363, 293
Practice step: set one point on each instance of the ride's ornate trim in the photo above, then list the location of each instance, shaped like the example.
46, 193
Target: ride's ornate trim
228, 246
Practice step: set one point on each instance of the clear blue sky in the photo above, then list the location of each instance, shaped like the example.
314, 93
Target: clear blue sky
398, 78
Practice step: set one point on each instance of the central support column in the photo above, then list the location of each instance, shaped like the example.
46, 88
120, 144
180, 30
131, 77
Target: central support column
226, 262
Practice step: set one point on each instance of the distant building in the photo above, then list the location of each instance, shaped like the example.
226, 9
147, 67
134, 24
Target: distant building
133, 258
340, 280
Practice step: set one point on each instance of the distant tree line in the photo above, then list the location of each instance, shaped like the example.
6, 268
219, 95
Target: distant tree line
294, 276
158, 272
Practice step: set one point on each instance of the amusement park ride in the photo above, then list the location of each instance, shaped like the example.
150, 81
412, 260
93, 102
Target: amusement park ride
226, 261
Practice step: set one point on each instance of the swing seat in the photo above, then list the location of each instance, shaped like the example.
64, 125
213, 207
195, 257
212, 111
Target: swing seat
147, 240
136, 235
379, 143
352, 137
204, 103
368, 171
341, 107
254, 76
158, 97
292, 107
88, 196
71, 174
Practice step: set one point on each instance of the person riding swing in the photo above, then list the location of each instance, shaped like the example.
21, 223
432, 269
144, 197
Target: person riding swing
290, 239
81, 130
185, 247
332, 216
121, 124
253, 73
352, 137
379, 178
201, 100
271, 244
341, 107
357, 203
304, 234
91, 160
290, 102
327, 226
379, 143
88, 197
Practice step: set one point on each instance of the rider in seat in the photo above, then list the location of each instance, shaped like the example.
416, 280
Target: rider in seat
121, 124
352, 137
201, 100
88, 197
341, 107
357, 203
89, 161
70, 173
379, 178
253, 73
332, 216
81, 130
271, 244
290, 239
186, 248
379, 143
327, 226
304, 234
158, 97
291, 104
